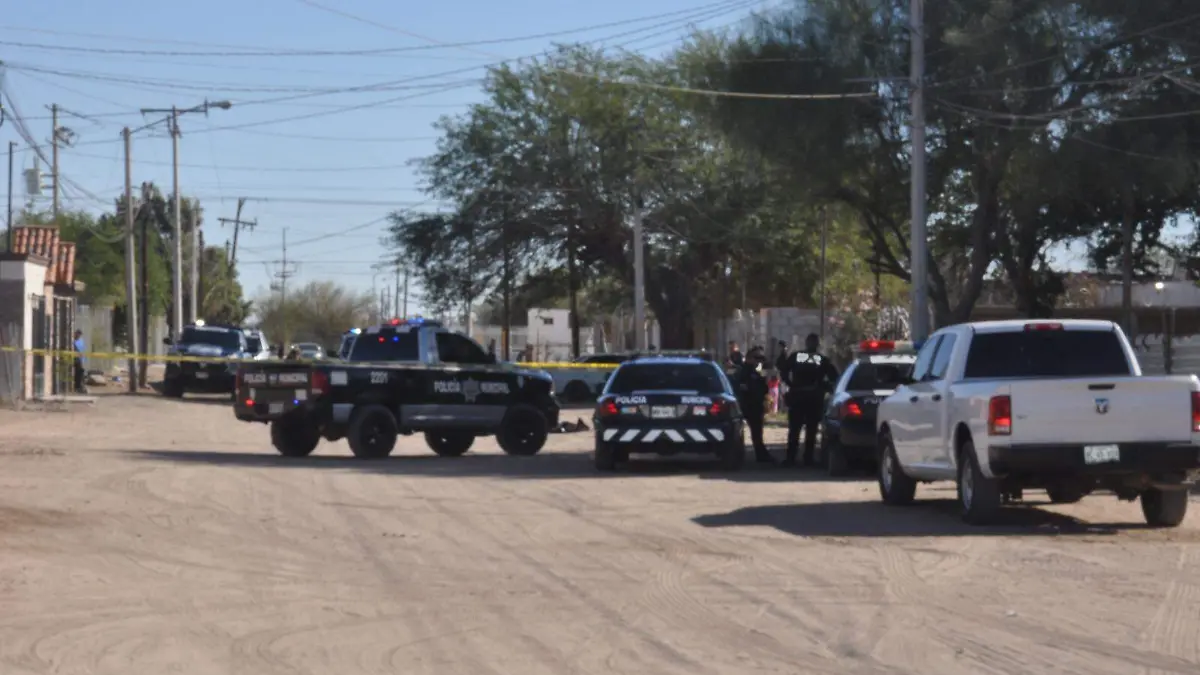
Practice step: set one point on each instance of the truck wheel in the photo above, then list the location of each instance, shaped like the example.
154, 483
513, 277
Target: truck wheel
173, 388
895, 487
978, 496
1164, 508
449, 443
605, 457
523, 431
733, 454
1065, 493
577, 391
294, 436
372, 433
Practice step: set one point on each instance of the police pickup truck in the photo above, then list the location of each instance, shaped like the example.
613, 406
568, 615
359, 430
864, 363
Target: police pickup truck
399, 378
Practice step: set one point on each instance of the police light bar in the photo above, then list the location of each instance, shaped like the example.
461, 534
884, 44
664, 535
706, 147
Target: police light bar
884, 346
354, 331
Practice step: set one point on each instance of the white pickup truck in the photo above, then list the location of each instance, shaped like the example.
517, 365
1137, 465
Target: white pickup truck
1000, 406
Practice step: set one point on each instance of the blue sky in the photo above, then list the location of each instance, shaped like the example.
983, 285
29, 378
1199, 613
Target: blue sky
329, 178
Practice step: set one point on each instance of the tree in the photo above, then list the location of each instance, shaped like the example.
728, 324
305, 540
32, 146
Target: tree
319, 311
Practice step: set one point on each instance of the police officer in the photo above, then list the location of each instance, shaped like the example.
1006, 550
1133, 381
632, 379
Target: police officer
751, 394
809, 375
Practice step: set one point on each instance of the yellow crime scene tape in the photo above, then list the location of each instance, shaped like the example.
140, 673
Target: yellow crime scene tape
175, 358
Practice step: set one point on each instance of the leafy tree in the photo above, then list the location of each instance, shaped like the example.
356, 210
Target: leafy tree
319, 311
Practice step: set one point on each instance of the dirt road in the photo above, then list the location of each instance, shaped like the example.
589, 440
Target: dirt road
156, 536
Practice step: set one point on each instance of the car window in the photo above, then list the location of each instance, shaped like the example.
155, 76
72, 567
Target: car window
1046, 353
254, 345
868, 376
925, 358
697, 377
455, 348
226, 339
388, 345
843, 383
941, 361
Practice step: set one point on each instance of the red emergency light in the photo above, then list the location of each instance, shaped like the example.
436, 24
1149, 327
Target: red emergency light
1043, 326
877, 345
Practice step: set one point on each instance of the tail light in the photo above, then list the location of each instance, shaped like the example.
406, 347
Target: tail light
1196, 411
607, 409
1043, 325
319, 383
719, 408
1000, 415
851, 409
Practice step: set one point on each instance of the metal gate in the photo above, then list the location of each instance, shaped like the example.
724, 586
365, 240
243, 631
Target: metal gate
40, 323
63, 340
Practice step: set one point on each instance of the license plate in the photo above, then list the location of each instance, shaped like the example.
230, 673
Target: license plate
662, 412
1101, 454
275, 408
201, 375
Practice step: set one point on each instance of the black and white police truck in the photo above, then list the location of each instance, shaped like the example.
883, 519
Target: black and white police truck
668, 406
400, 378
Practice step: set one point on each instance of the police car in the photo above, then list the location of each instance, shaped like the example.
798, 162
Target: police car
403, 377
848, 426
662, 405
224, 344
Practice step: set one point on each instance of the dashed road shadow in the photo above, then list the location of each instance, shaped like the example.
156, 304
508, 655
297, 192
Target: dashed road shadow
926, 518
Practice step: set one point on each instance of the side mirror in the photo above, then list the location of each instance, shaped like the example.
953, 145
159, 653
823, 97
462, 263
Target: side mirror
167, 341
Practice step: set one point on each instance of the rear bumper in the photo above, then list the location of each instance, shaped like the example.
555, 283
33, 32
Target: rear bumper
1068, 460
202, 377
670, 440
856, 436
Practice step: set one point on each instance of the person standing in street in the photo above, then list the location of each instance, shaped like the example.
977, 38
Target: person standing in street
79, 371
751, 394
735, 355
808, 376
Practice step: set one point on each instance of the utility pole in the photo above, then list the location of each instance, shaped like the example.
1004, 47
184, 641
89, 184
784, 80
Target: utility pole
144, 275
824, 243
12, 145
237, 224
919, 244
404, 307
130, 271
54, 158
397, 313
172, 121
506, 280
286, 271
639, 279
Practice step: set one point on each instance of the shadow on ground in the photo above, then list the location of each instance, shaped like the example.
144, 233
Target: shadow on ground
926, 518
202, 399
549, 465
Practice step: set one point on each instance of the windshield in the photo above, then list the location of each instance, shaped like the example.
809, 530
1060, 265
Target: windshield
254, 345
388, 345
1046, 353
871, 376
225, 339
700, 378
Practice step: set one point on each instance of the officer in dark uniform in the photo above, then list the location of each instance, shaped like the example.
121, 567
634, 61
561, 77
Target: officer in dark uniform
751, 395
809, 376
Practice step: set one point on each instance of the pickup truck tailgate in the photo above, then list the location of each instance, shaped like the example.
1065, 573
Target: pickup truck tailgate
273, 391
1102, 410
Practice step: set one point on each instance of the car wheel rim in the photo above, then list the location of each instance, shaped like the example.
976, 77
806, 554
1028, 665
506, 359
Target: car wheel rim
885, 473
968, 487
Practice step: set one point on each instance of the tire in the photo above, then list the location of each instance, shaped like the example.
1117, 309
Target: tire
733, 454
449, 443
1164, 508
294, 436
978, 496
1065, 493
836, 464
605, 457
577, 391
373, 432
173, 388
523, 432
895, 487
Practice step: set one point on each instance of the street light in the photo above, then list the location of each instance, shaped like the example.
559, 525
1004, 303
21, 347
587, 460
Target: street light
172, 120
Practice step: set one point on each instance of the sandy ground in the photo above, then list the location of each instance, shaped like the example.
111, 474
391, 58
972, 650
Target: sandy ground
156, 536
